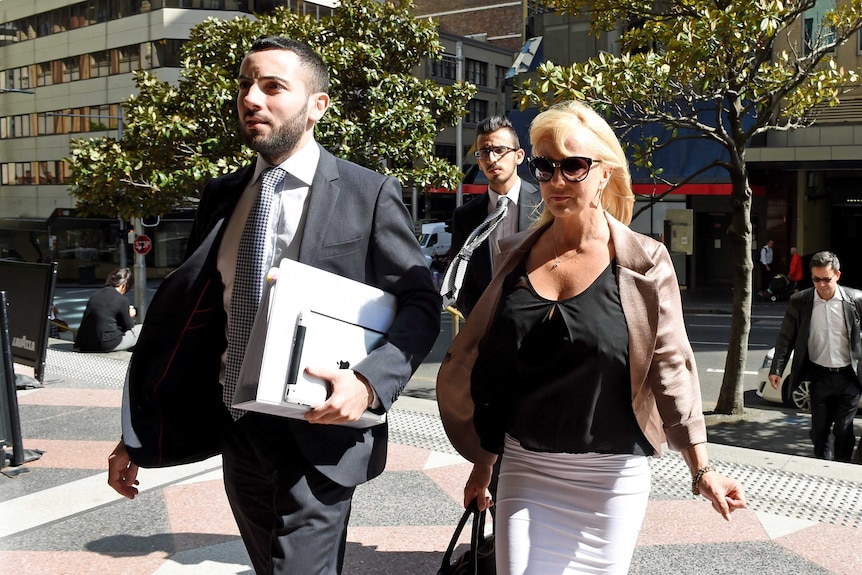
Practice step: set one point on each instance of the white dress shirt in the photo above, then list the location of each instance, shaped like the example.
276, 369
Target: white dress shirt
828, 341
286, 215
509, 225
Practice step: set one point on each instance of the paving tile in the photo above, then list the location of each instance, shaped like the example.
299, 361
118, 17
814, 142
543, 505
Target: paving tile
59, 516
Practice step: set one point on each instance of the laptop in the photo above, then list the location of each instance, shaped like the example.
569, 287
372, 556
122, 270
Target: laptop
309, 317
323, 341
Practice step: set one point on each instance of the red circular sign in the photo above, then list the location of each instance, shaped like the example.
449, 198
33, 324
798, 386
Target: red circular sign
143, 245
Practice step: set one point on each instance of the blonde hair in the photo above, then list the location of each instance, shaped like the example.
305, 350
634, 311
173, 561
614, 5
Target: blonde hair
558, 122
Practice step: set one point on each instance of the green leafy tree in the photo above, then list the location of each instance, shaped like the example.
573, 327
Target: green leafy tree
723, 71
178, 136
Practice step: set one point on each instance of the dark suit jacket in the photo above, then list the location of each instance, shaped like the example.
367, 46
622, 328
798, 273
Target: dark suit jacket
796, 325
356, 226
467, 218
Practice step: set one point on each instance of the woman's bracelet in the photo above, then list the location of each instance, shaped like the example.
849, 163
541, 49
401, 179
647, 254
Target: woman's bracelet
695, 480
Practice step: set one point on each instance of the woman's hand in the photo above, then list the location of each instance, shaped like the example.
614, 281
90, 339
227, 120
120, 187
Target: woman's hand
725, 493
477, 487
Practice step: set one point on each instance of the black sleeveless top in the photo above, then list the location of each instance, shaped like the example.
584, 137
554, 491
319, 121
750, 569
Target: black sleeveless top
555, 374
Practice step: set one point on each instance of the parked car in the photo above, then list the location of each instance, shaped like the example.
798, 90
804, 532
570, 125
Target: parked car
798, 398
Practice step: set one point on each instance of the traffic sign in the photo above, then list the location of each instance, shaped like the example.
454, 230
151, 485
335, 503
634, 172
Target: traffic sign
143, 245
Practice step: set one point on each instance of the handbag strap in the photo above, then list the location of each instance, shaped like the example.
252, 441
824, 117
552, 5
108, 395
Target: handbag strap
477, 533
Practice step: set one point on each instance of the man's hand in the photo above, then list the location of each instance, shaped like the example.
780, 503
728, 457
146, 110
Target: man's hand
122, 473
351, 396
775, 381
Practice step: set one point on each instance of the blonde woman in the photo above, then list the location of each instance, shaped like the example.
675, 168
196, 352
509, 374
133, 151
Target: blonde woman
576, 367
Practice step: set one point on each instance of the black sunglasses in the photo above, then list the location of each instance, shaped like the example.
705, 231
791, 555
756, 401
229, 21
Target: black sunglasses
573, 168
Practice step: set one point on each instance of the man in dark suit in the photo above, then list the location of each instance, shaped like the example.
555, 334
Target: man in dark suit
499, 153
290, 481
821, 328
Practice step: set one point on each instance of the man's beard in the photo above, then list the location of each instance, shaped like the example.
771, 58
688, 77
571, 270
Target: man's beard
282, 140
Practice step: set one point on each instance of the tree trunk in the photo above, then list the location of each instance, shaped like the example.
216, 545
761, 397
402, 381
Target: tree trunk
730, 397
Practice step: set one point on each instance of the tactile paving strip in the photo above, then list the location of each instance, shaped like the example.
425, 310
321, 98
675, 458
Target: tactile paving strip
88, 367
807, 497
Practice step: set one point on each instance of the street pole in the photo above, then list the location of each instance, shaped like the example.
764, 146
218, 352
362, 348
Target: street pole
459, 133
140, 274
122, 243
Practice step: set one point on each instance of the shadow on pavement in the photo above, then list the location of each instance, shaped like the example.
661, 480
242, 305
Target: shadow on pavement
765, 427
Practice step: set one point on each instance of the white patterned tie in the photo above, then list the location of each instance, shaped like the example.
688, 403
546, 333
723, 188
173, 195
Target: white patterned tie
248, 282
454, 277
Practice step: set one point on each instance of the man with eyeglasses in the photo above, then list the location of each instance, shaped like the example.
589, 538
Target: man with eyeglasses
821, 328
498, 153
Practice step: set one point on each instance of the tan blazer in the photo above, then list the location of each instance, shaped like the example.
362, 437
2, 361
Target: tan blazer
665, 386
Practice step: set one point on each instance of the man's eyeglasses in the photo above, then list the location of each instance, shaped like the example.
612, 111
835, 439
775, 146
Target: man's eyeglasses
573, 168
818, 280
499, 151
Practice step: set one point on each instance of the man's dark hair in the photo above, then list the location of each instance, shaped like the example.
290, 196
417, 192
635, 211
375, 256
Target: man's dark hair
824, 260
494, 123
318, 73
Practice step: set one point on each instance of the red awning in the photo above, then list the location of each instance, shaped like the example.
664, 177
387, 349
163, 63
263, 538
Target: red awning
466, 188
692, 189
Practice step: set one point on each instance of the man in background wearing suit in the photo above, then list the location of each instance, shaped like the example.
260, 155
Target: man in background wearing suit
499, 153
290, 481
821, 328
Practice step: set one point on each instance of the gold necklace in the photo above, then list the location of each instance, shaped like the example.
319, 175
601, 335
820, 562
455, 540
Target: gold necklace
557, 260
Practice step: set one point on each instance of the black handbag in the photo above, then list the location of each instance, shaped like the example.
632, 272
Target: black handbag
479, 560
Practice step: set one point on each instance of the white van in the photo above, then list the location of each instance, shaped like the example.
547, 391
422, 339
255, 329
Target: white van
435, 240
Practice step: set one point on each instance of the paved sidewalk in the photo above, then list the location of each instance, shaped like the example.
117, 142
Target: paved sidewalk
59, 516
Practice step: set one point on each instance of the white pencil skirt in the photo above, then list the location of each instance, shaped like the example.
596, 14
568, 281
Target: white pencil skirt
568, 514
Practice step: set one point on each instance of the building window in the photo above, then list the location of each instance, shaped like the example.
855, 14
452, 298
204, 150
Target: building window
60, 19
166, 53
24, 173
72, 69
816, 33
17, 78
52, 172
501, 76
477, 110
128, 59
18, 174
476, 72
445, 69
99, 11
16, 127
44, 74
78, 15
45, 124
445, 151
